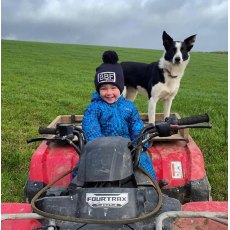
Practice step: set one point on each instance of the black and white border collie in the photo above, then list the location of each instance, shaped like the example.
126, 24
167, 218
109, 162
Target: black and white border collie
158, 80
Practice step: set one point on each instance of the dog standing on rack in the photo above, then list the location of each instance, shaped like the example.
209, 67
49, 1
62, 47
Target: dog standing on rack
159, 80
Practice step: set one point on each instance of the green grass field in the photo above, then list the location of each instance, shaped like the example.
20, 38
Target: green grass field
42, 80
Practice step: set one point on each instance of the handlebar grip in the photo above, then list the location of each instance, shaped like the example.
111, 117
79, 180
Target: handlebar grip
42, 130
193, 119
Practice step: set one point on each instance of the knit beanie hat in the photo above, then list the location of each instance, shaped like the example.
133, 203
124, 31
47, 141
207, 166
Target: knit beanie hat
109, 72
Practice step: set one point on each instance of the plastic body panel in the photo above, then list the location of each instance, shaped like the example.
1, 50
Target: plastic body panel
50, 161
179, 166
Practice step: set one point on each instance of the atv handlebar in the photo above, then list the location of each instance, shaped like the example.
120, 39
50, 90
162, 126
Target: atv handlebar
171, 125
43, 130
193, 119
64, 133
167, 128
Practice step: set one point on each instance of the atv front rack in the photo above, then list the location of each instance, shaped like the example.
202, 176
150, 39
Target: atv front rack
219, 217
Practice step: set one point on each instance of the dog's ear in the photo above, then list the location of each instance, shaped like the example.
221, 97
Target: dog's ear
190, 42
167, 40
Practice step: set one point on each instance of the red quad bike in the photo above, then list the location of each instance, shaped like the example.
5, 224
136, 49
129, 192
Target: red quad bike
110, 191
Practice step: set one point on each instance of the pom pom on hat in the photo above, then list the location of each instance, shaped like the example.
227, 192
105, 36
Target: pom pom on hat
110, 57
110, 71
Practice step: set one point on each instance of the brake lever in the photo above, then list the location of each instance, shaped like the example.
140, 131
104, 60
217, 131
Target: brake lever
177, 127
37, 139
49, 139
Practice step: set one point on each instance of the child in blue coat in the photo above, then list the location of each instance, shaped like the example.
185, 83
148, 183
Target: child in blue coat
109, 113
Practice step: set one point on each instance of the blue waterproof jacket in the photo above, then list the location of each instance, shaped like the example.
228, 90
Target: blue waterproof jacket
117, 119
120, 118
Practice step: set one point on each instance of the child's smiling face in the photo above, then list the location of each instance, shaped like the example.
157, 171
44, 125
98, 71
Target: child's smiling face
109, 93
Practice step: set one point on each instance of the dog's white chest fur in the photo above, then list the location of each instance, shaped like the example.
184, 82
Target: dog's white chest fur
162, 90
165, 90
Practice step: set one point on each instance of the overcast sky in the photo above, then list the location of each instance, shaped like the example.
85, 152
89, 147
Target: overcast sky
122, 23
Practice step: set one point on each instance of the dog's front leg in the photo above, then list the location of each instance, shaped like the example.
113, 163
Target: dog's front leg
152, 110
167, 106
130, 93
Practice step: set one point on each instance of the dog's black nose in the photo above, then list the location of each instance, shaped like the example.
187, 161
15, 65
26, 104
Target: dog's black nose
177, 59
